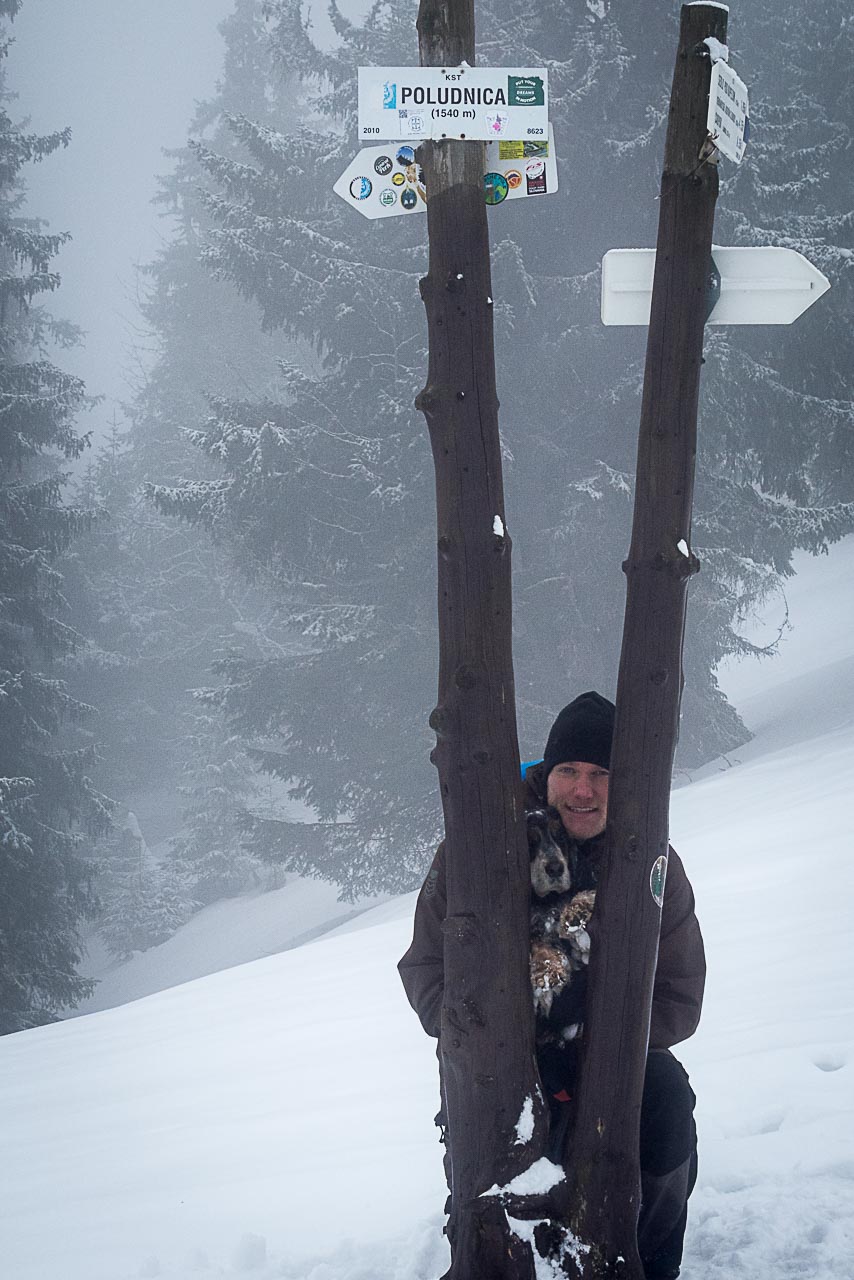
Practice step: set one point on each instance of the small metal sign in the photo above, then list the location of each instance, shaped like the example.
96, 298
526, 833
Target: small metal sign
453, 102
758, 285
729, 112
387, 182
527, 167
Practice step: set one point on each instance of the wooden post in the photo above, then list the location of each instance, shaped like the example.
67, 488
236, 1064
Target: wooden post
487, 1029
604, 1181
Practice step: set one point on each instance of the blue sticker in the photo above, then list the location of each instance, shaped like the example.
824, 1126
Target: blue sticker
360, 188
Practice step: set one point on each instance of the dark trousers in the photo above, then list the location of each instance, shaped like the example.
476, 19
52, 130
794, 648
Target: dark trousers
668, 1161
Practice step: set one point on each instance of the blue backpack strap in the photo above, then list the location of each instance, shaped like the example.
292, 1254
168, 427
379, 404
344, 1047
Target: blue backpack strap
526, 765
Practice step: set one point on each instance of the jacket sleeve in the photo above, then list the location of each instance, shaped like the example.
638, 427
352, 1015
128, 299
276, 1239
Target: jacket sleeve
422, 969
677, 994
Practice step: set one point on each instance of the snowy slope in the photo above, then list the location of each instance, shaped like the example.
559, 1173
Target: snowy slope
275, 1119
225, 934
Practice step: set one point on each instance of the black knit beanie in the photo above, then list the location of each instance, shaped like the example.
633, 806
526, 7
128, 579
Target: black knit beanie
583, 731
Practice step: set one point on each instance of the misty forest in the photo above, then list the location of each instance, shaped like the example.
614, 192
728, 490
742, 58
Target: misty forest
218, 645
230, 605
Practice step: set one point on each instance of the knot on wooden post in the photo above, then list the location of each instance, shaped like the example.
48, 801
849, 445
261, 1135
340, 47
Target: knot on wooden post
465, 677
439, 721
455, 283
427, 400
681, 562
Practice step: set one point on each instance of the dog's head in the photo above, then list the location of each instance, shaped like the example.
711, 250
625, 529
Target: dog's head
550, 848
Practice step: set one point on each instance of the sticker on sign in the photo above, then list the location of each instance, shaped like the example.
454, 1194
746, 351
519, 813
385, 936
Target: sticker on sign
729, 115
386, 181
453, 102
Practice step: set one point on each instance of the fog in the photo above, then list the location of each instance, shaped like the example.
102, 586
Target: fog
125, 77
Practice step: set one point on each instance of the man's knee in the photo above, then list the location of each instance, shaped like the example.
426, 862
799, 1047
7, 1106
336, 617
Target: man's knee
667, 1133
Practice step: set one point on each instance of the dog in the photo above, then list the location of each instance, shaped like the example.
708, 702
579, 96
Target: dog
560, 943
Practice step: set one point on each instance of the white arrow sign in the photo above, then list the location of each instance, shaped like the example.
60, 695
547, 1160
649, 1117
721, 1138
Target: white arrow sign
387, 182
764, 285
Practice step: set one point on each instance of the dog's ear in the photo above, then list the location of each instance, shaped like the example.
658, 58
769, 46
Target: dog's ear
555, 823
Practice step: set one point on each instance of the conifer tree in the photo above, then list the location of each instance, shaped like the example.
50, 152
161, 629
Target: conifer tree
142, 902
217, 782
49, 809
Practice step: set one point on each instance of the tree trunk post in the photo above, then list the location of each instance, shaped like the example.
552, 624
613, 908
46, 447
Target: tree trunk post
603, 1170
487, 1028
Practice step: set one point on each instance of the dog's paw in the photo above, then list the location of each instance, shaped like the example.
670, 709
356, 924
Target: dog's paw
550, 972
575, 914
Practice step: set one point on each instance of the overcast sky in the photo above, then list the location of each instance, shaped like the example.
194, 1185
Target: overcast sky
125, 75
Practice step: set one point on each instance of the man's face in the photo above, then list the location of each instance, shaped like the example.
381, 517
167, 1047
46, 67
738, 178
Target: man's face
579, 792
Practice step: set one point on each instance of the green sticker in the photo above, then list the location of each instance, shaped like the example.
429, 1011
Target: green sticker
495, 188
657, 877
525, 91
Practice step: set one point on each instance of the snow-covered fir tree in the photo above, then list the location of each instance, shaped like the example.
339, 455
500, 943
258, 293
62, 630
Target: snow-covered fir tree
142, 902
49, 810
218, 782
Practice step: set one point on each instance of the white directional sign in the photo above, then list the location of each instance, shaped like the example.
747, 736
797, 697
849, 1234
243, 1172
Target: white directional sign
729, 112
453, 102
386, 181
763, 285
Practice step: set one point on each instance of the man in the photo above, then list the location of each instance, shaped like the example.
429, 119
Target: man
573, 779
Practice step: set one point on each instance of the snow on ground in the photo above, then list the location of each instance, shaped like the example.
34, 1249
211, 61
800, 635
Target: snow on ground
275, 1119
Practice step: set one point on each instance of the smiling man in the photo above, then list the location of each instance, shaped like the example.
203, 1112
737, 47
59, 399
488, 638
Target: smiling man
573, 778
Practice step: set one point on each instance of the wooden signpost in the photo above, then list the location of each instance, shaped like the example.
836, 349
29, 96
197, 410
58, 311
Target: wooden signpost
584, 1224
487, 1038
604, 1198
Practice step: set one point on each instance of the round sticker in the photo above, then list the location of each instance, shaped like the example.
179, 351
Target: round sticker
514, 179
382, 165
405, 155
408, 198
657, 877
495, 188
398, 179
388, 196
360, 188
536, 168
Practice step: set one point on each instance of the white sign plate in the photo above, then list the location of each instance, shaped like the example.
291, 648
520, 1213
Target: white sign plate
386, 181
763, 285
453, 102
729, 112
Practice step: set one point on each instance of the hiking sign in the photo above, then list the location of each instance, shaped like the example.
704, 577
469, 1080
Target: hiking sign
479, 103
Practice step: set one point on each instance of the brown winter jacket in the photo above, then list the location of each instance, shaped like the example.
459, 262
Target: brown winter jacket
677, 995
